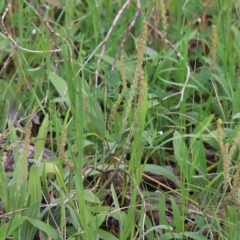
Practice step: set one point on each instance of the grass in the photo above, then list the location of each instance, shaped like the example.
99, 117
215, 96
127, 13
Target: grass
119, 123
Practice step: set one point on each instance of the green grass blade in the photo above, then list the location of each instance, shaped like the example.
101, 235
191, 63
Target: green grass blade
178, 223
34, 186
4, 106
4, 188
41, 138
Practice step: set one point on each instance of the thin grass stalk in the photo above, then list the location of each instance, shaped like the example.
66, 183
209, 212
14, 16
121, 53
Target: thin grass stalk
120, 96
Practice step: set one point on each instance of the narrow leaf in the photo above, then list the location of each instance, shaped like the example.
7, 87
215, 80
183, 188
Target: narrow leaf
41, 138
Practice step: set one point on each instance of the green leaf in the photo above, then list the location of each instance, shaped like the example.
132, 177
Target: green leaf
181, 154
237, 230
18, 188
6, 231
116, 204
178, 223
27, 230
199, 157
203, 125
161, 171
236, 116
59, 84
164, 227
41, 138
4, 106
114, 196
170, 236
96, 117
50, 231
73, 217
34, 185
193, 235
162, 208
106, 235
100, 217
4, 188
89, 196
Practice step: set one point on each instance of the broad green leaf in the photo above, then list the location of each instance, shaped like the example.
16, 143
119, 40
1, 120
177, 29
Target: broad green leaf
178, 223
162, 208
50, 231
199, 158
100, 217
27, 229
6, 231
181, 154
59, 84
161, 171
89, 196
236, 116
203, 125
34, 185
237, 230
221, 79
18, 188
74, 218
106, 235
96, 117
